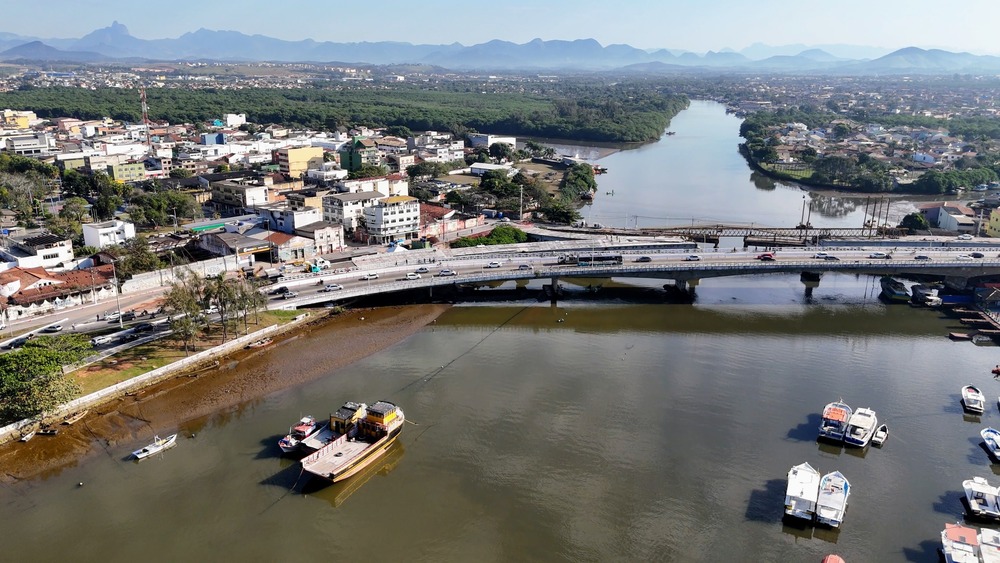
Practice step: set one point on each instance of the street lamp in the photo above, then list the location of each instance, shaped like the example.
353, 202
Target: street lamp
118, 301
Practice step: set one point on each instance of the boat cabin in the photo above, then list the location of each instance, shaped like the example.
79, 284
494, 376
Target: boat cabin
346, 417
379, 417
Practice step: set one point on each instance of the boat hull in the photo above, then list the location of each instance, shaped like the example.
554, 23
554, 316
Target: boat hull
372, 454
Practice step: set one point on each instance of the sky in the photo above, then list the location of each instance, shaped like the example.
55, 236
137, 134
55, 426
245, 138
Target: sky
694, 25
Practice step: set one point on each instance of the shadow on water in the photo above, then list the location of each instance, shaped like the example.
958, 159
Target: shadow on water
827, 534
797, 527
830, 447
858, 452
949, 502
806, 431
973, 418
978, 449
953, 406
271, 449
767, 504
927, 550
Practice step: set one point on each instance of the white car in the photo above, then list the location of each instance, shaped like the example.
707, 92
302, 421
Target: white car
820, 255
446, 273
877, 255
964, 257
333, 287
493, 265
413, 276
692, 258
369, 276
965, 237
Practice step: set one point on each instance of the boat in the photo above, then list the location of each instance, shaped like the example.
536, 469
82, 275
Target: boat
260, 343
834, 489
893, 290
881, 433
69, 420
973, 399
833, 424
802, 491
305, 427
364, 436
156, 446
982, 339
983, 500
989, 545
338, 424
833, 558
48, 432
996, 370
959, 336
991, 437
861, 427
28, 435
959, 544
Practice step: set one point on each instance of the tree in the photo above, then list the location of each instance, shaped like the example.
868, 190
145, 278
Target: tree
841, 130
32, 380
914, 222
368, 171
74, 209
399, 131
183, 303
180, 173
134, 257
501, 152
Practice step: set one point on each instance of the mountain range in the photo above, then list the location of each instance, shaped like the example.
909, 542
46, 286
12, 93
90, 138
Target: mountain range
115, 43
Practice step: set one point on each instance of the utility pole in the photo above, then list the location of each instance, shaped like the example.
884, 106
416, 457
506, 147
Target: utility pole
520, 211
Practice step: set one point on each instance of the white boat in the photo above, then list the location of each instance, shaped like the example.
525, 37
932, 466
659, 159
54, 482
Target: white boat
305, 427
28, 435
832, 501
959, 544
983, 499
989, 545
881, 433
833, 425
861, 427
802, 491
991, 437
973, 399
157, 446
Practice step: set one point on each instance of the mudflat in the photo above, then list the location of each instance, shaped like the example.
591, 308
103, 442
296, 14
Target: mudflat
328, 343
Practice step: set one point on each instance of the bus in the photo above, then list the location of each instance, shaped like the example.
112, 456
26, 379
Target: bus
599, 260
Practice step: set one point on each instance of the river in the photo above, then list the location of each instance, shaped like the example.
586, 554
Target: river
594, 430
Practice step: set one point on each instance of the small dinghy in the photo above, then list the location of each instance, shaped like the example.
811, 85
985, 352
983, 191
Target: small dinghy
881, 433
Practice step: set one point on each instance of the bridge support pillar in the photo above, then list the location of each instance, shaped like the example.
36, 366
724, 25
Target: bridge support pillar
810, 280
553, 289
681, 285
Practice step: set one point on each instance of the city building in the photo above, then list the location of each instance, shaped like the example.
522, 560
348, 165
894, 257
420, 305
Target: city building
237, 195
14, 119
34, 143
127, 172
108, 233
40, 250
327, 237
393, 219
359, 152
294, 161
477, 140
348, 209
283, 219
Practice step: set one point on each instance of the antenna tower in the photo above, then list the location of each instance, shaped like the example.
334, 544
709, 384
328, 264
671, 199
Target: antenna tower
145, 118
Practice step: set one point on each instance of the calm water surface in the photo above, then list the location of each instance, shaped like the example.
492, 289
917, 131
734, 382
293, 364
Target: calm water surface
626, 432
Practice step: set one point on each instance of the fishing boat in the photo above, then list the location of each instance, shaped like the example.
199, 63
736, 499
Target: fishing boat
158, 445
959, 336
304, 428
833, 424
48, 432
893, 290
989, 545
28, 435
364, 436
881, 433
991, 437
861, 427
973, 399
802, 491
834, 489
260, 343
959, 544
69, 420
982, 499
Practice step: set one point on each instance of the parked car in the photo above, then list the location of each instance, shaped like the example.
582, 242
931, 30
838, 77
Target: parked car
446, 273
766, 257
692, 258
493, 264
128, 316
369, 276
413, 276
422, 270
333, 287
112, 316
644, 259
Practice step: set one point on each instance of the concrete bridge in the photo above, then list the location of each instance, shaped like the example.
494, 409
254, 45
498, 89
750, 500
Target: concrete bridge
954, 266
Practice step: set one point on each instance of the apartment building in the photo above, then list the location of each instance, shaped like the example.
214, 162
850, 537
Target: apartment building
395, 218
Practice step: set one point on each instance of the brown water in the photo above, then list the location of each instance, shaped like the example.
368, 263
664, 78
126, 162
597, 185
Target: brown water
624, 432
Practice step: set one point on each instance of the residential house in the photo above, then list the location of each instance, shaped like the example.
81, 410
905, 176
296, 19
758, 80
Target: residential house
327, 237
108, 233
31, 291
237, 245
238, 195
283, 219
437, 221
40, 250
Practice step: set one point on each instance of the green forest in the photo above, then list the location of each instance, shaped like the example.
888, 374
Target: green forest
619, 113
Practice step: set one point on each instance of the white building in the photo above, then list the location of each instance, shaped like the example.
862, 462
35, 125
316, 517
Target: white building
394, 218
327, 237
483, 140
108, 233
348, 209
328, 172
35, 143
234, 119
480, 168
43, 250
285, 220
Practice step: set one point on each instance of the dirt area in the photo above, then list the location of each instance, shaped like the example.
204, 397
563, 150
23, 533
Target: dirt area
549, 176
330, 343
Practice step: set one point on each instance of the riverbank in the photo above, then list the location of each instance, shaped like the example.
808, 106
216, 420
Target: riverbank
184, 403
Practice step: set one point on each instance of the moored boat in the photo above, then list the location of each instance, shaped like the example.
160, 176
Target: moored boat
893, 290
48, 432
989, 545
69, 420
158, 445
982, 499
363, 438
28, 435
833, 424
802, 491
259, 343
304, 428
880, 436
861, 427
973, 399
959, 544
834, 489
991, 437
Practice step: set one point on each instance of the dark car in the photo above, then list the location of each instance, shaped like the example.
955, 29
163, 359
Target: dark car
279, 290
921, 257
143, 327
977, 255
831, 257
644, 259
766, 257
128, 316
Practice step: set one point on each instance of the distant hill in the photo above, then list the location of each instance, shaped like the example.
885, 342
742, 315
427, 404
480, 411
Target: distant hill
116, 43
38, 51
